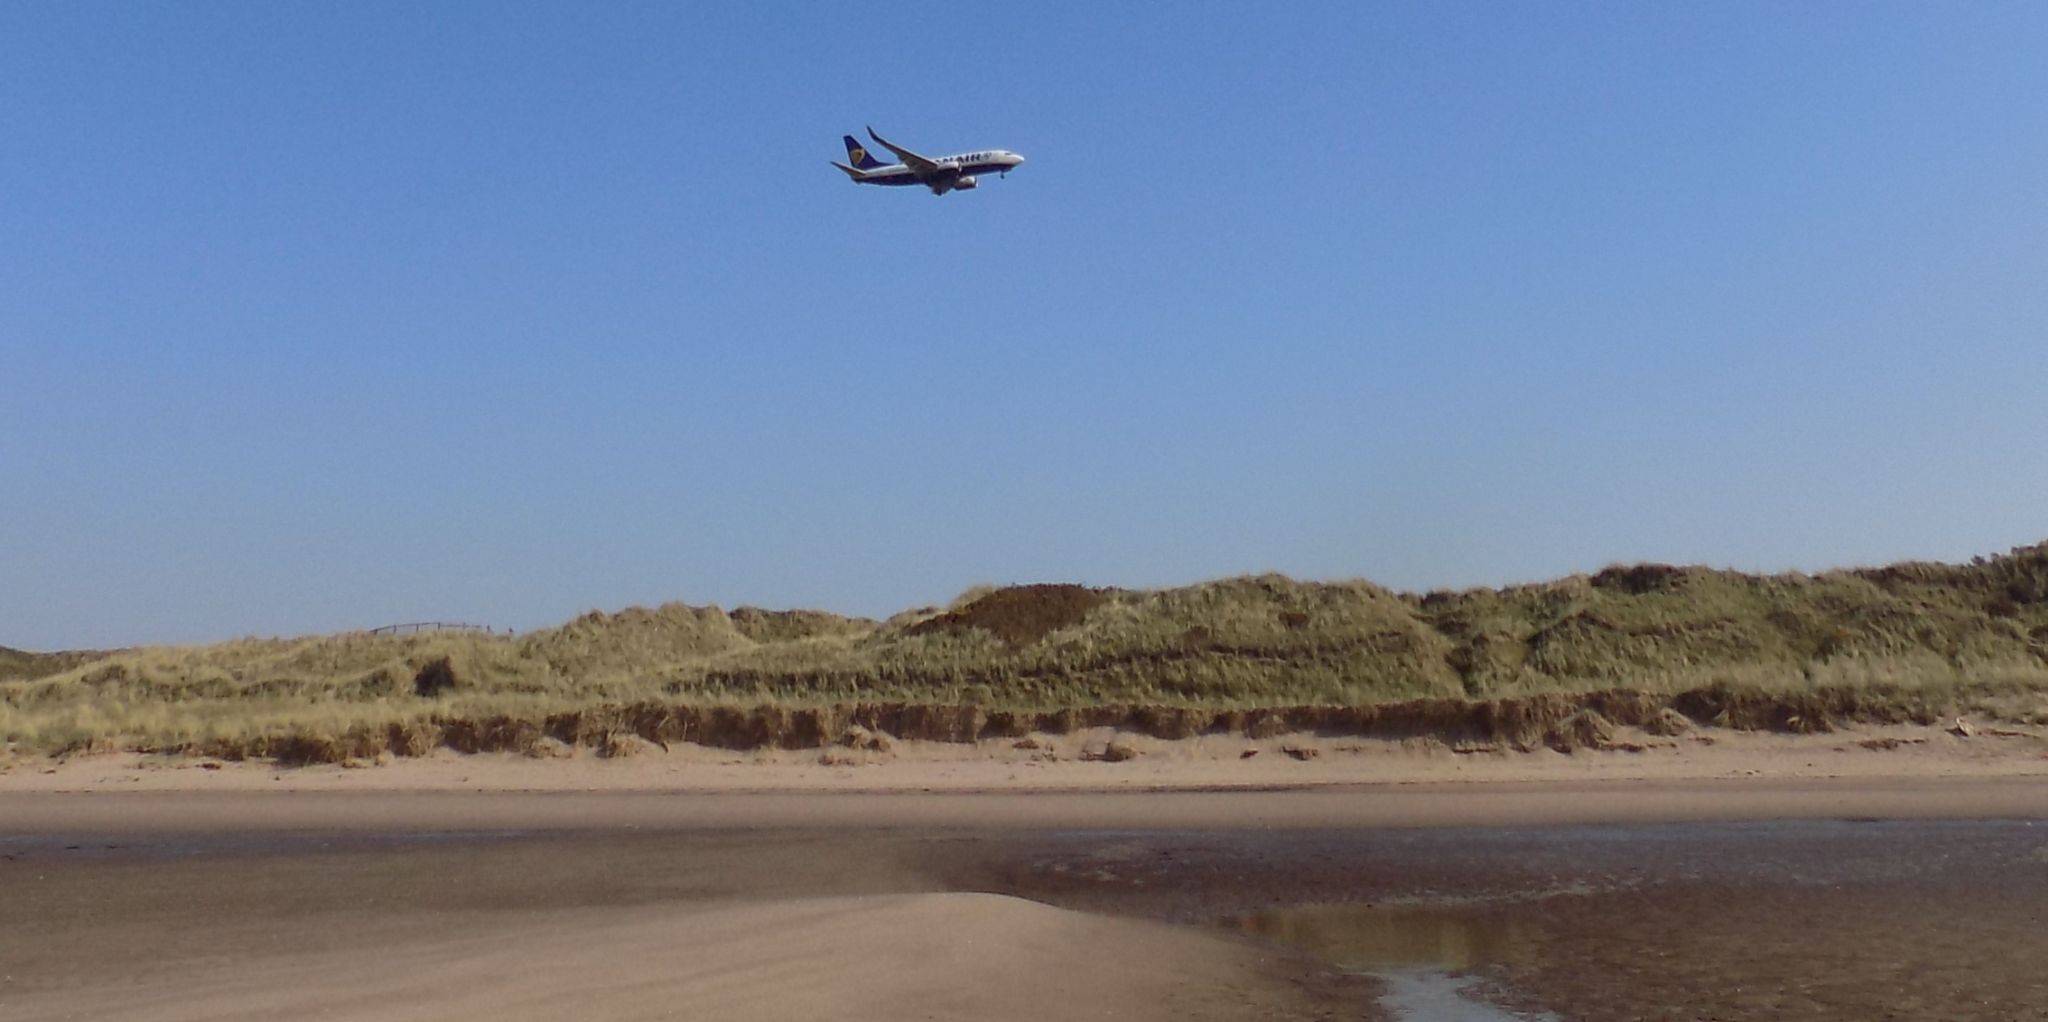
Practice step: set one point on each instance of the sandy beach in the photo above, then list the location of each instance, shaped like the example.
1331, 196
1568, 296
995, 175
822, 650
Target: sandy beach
1080, 761
1361, 883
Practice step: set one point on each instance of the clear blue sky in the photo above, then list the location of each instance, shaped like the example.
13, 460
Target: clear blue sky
323, 316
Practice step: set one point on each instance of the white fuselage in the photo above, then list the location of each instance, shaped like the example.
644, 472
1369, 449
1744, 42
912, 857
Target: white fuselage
959, 171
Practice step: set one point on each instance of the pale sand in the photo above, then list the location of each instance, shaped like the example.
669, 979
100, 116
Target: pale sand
1064, 763
815, 907
915, 956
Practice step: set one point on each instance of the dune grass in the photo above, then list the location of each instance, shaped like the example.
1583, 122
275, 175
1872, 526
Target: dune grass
1917, 638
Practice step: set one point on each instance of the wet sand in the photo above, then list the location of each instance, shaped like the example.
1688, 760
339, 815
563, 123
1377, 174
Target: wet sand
1772, 920
1804, 899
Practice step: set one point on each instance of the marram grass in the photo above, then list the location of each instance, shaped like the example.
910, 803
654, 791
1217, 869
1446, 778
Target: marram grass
1908, 641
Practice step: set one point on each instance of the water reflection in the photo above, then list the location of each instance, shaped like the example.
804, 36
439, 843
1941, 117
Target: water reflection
1373, 937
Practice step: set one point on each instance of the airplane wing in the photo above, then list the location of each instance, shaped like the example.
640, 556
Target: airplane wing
921, 166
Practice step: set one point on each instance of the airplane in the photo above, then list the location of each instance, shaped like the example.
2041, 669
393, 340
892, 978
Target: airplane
941, 175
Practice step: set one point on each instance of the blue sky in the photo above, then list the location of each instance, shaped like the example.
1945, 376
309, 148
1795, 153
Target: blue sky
316, 317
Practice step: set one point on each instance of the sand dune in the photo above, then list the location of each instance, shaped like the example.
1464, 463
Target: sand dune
940, 956
1559, 665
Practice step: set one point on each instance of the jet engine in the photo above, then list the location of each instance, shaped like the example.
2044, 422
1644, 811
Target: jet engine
965, 183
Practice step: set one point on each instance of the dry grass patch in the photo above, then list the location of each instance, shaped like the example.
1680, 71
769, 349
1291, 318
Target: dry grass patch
1654, 647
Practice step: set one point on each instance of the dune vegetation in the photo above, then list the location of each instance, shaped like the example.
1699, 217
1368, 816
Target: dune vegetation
1558, 663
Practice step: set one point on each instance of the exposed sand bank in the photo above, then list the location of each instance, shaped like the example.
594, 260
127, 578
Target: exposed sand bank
910, 956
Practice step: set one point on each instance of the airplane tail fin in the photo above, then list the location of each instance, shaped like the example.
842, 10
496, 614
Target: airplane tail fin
850, 172
857, 155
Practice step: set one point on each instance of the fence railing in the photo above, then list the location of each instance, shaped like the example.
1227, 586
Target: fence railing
412, 627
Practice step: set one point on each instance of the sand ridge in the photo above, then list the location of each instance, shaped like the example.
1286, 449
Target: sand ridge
947, 956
